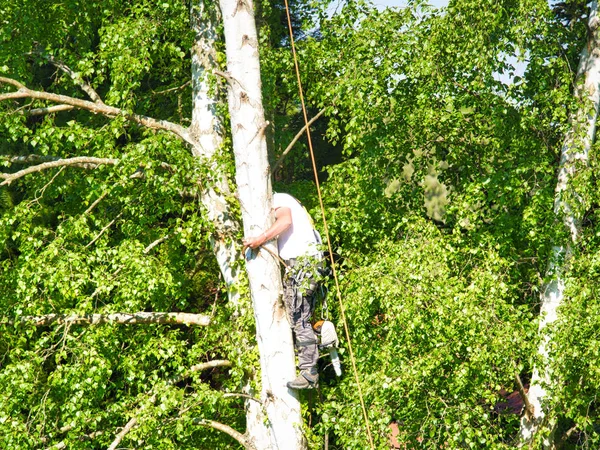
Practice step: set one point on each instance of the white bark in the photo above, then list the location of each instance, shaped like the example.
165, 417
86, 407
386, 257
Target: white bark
273, 332
117, 318
568, 207
206, 130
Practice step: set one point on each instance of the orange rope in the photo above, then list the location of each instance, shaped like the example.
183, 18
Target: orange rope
326, 229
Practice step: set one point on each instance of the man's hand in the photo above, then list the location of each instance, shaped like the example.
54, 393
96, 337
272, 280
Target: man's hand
283, 220
254, 242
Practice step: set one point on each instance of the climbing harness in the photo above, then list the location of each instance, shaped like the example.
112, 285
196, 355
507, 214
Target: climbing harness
325, 228
304, 285
302, 273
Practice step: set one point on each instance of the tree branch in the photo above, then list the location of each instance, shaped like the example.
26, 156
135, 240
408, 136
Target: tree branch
241, 438
210, 365
75, 76
178, 318
96, 108
84, 162
95, 203
49, 110
246, 396
229, 78
103, 230
155, 243
12, 82
126, 429
178, 88
80, 161
529, 409
298, 135
196, 368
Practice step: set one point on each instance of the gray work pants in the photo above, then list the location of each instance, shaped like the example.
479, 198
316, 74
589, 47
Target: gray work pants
299, 301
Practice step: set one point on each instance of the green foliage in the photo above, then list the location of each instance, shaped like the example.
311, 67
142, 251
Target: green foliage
439, 184
434, 346
437, 129
114, 238
574, 348
59, 258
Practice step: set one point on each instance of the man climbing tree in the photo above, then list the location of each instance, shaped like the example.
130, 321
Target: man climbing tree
297, 244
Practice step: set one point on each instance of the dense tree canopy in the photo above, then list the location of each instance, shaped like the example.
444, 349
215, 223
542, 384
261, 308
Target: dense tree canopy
438, 161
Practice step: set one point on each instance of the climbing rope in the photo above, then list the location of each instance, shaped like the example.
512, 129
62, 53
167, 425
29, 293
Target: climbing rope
326, 229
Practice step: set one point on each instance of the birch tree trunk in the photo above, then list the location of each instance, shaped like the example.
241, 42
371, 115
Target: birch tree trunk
569, 208
206, 130
253, 179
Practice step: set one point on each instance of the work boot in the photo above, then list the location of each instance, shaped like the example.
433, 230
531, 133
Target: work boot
308, 379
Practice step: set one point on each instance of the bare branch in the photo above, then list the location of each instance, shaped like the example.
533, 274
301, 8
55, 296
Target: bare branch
10, 95
529, 408
58, 446
246, 396
178, 318
103, 230
12, 82
84, 162
298, 135
126, 429
241, 438
49, 110
260, 132
231, 80
76, 77
195, 368
61, 430
178, 88
87, 162
155, 243
210, 365
95, 203
40, 193
96, 108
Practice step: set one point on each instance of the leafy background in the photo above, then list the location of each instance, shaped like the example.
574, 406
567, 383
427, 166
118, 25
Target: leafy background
438, 178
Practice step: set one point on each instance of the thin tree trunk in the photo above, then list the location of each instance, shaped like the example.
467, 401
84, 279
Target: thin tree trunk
253, 180
206, 130
569, 208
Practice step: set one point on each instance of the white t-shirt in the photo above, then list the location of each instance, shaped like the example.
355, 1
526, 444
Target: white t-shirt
299, 239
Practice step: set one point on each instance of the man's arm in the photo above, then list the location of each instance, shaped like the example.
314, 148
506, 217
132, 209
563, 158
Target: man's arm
283, 220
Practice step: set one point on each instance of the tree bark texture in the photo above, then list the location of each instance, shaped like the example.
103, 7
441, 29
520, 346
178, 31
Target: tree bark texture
207, 131
253, 180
